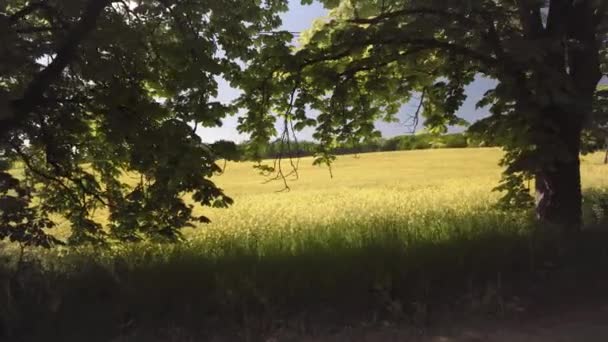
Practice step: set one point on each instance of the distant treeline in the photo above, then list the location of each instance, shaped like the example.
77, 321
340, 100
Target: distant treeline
398, 143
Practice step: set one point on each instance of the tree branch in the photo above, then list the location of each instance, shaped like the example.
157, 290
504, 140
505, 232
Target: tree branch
366, 64
416, 116
601, 13
487, 21
27, 10
585, 59
493, 39
444, 45
418, 44
413, 12
327, 58
33, 94
531, 18
37, 29
559, 10
51, 12
30, 166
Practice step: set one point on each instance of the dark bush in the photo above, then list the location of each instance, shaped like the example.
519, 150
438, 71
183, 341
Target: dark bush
422, 141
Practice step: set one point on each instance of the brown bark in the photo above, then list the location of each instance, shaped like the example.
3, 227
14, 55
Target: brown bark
559, 198
606, 154
558, 181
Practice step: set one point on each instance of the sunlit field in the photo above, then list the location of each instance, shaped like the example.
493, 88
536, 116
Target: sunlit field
425, 189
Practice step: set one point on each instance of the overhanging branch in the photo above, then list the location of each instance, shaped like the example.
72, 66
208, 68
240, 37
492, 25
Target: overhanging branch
37, 29
531, 17
430, 43
413, 12
416, 116
367, 64
34, 93
27, 10
416, 44
51, 13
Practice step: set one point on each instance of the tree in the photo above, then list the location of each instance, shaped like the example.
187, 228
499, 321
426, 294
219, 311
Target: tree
595, 135
100, 101
369, 57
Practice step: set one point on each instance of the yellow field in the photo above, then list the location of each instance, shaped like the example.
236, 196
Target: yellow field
397, 186
413, 188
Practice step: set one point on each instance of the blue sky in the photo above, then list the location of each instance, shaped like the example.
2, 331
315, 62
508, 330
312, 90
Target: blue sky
299, 18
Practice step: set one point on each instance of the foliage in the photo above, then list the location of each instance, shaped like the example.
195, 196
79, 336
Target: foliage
277, 148
368, 58
596, 134
597, 206
91, 90
21, 220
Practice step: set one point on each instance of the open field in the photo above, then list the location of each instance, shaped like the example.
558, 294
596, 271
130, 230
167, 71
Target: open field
403, 236
413, 187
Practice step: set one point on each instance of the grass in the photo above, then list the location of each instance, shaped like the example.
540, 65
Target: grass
391, 236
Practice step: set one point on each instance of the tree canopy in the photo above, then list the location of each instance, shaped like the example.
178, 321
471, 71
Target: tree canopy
99, 103
100, 100
369, 57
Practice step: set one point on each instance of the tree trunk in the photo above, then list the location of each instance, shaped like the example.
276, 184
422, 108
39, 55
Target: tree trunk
606, 154
558, 195
558, 182
558, 178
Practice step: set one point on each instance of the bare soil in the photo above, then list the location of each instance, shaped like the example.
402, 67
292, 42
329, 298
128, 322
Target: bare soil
588, 323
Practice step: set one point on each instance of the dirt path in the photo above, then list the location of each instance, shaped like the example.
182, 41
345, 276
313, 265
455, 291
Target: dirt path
578, 325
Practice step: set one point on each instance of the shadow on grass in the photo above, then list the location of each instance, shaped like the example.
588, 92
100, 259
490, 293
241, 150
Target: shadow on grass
492, 263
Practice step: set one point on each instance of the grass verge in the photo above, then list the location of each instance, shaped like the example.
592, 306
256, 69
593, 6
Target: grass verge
247, 285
